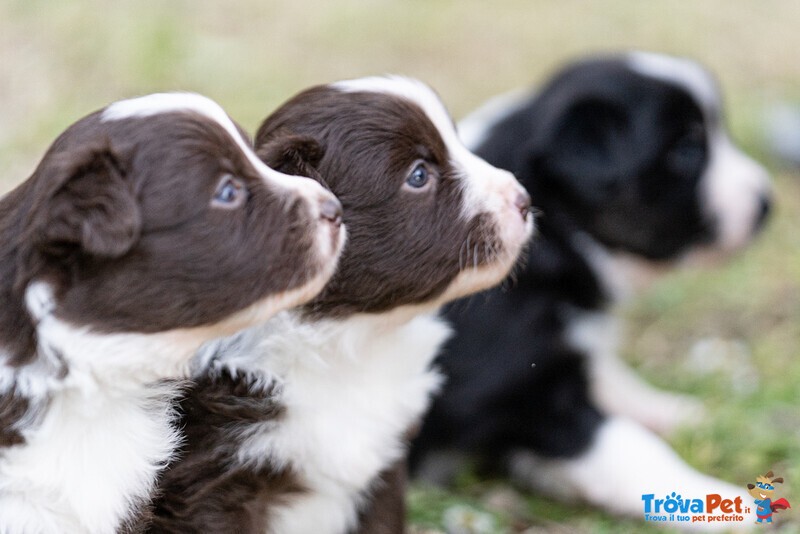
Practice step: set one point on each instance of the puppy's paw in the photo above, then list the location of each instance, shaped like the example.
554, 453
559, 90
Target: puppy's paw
234, 394
238, 382
625, 463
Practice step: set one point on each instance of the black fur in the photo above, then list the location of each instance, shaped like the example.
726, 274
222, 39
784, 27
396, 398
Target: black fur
605, 152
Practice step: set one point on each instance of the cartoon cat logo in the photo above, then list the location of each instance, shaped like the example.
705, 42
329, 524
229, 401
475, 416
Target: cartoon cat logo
762, 491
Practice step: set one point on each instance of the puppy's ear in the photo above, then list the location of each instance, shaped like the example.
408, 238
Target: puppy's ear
89, 206
751, 486
778, 480
585, 148
298, 155
769, 474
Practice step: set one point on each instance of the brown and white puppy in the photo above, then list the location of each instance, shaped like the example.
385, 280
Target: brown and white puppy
303, 427
148, 228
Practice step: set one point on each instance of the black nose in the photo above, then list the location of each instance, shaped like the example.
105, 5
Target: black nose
523, 203
331, 211
764, 208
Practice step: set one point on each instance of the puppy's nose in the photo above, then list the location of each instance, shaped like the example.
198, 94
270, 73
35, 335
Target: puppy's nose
331, 210
764, 208
523, 203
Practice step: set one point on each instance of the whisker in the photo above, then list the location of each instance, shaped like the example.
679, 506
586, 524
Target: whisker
467, 249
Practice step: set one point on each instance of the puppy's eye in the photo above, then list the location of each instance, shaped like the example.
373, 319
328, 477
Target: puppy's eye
688, 152
230, 193
419, 177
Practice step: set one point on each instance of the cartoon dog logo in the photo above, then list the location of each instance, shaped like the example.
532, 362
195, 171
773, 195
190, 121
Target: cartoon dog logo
762, 491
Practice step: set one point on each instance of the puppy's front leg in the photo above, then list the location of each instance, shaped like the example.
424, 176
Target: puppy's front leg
617, 390
623, 463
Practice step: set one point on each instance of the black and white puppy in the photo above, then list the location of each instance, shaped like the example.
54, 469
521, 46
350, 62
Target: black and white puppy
148, 228
628, 159
317, 442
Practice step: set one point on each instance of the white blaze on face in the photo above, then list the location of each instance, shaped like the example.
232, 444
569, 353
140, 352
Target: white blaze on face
734, 186
327, 249
487, 189
159, 103
677, 71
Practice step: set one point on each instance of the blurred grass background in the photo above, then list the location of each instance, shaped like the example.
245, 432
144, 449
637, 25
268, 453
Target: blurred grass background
729, 336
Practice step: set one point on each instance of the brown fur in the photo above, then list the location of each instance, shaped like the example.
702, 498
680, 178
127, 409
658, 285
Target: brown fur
13, 409
371, 143
202, 493
385, 511
117, 219
403, 248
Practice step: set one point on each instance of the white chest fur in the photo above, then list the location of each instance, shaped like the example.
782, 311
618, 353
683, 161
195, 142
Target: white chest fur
91, 457
88, 464
351, 390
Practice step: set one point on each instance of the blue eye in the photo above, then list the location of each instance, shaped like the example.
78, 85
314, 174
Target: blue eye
418, 177
230, 192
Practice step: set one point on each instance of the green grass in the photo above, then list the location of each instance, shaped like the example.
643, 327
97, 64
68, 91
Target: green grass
60, 60
754, 419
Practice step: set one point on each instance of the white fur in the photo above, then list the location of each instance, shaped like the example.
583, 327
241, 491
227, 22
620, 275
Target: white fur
614, 387
487, 189
733, 183
622, 275
128, 359
89, 463
732, 187
158, 103
351, 390
625, 454
95, 452
624, 462
678, 71
307, 188
102, 429
106, 431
